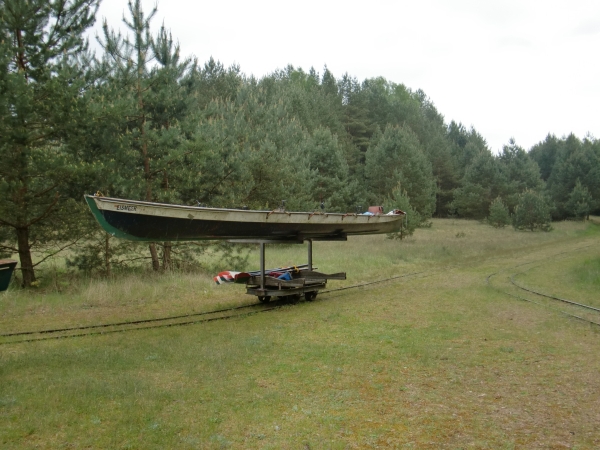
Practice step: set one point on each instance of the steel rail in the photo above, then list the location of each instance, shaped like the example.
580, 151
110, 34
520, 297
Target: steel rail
511, 278
368, 283
124, 329
546, 306
571, 302
132, 322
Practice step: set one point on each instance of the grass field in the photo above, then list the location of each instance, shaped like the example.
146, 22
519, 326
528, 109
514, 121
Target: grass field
443, 359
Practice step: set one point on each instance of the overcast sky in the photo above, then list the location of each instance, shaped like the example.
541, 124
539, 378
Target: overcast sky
509, 68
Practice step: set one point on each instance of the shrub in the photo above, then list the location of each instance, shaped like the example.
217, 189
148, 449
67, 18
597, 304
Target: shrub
532, 212
579, 202
499, 216
400, 200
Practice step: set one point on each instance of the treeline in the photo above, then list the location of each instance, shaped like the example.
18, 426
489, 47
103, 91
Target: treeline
140, 121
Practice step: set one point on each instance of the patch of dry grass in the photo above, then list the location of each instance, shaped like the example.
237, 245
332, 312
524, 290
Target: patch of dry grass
122, 298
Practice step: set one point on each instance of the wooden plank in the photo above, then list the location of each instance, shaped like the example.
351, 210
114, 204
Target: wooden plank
312, 275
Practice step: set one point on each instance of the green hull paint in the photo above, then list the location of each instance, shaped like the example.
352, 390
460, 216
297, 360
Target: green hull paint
108, 227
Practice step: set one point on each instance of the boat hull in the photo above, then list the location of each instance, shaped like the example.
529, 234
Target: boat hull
147, 221
7, 266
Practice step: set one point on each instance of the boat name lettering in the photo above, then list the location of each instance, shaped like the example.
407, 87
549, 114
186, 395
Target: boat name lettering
126, 208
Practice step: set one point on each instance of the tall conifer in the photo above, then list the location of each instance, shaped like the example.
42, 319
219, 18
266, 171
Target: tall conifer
148, 71
42, 78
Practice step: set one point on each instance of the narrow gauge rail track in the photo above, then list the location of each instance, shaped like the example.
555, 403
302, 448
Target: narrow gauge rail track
144, 324
552, 297
169, 321
575, 310
251, 309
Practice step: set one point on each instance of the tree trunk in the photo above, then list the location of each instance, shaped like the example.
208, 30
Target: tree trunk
145, 157
25, 256
107, 254
154, 255
167, 264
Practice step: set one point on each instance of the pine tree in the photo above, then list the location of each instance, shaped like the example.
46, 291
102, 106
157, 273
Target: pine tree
249, 152
545, 153
532, 212
575, 160
579, 202
42, 78
518, 172
217, 82
357, 123
479, 187
153, 101
331, 183
499, 216
399, 200
396, 158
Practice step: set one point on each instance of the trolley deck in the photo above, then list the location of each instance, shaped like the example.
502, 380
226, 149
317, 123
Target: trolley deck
307, 282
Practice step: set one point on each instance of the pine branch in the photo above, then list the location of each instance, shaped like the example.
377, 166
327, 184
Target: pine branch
46, 213
45, 191
9, 248
56, 252
218, 183
7, 223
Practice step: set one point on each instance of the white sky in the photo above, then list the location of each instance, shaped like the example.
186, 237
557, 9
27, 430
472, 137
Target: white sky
510, 68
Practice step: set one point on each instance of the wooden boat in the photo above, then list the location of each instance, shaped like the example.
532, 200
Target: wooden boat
6, 270
148, 221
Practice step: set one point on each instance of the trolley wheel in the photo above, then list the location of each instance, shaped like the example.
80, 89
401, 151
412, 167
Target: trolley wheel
264, 298
310, 296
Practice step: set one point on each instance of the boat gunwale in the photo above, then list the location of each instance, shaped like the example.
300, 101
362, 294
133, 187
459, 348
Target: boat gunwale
377, 217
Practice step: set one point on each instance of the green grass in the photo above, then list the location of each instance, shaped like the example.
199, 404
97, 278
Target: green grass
443, 361
574, 276
588, 272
